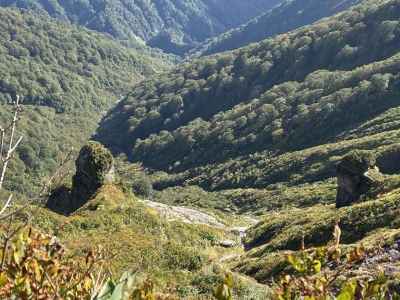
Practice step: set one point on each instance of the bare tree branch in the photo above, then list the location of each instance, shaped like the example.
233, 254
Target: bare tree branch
11, 145
58, 176
8, 203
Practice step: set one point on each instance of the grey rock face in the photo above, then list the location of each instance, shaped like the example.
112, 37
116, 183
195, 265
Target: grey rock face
227, 243
184, 214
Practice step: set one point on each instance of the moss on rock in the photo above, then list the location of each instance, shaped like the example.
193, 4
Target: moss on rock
357, 162
94, 168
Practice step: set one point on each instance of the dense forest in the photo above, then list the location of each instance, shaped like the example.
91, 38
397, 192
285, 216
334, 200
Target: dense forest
268, 171
67, 77
174, 26
287, 16
261, 97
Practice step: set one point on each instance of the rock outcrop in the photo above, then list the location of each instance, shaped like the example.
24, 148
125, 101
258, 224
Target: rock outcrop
94, 168
184, 214
357, 175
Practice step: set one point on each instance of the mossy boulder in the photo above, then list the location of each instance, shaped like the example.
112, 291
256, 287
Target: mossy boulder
94, 168
357, 175
357, 162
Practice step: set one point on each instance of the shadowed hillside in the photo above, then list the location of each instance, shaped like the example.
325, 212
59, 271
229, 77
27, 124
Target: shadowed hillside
174, 26
67, 77
277, 96
267, 172
287, 16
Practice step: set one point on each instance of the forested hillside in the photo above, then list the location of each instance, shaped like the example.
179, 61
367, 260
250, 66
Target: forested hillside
68, 77
266, 172
266, 97
289, 15
174, 26
264, 130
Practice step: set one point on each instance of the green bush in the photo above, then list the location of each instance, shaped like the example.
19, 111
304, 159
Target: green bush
142, 186
183, 258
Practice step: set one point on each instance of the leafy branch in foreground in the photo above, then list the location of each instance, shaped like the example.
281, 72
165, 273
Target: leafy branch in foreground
37, 267
224, 290
34, 265
320, 274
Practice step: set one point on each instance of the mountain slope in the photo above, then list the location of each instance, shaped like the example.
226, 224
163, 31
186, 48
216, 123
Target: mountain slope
261, 130
180, 258
68, 77
173, 26
257, 130
287, 16
221, 107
